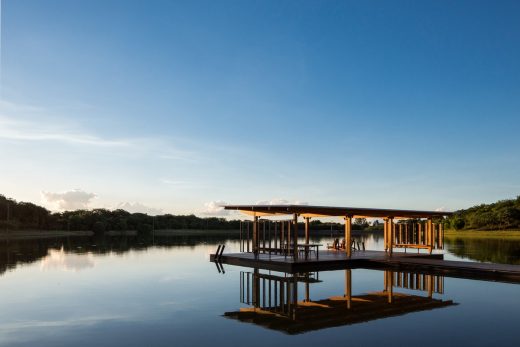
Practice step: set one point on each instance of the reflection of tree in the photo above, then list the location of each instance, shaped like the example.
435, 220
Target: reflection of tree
25, 251
488, 250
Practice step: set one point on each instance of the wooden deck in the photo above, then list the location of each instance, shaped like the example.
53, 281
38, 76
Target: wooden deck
333, 260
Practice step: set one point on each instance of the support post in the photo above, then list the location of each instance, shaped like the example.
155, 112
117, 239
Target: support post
441, 235
255, 235
295, 242
307, 219
390, 234
348, 232
430, 235
385, 233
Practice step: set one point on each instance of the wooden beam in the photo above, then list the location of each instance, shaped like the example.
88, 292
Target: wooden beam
348, 232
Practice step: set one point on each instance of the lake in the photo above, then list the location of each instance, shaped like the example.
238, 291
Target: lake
163, 291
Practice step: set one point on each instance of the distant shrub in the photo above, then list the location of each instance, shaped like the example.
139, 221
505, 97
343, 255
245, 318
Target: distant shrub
458, 223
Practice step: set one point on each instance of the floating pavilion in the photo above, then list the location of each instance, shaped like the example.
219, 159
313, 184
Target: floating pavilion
416, 229
273, 244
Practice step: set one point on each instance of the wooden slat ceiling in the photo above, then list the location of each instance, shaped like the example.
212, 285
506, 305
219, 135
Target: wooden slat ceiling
331, 211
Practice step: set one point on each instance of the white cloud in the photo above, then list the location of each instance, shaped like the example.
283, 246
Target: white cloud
215, 208
137, 207
70, 200
441, 209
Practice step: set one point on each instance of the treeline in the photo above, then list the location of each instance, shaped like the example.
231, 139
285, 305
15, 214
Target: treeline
501, 215
28, 216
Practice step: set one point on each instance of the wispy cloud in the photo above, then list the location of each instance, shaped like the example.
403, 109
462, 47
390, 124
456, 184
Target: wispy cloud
36, 131
26, 123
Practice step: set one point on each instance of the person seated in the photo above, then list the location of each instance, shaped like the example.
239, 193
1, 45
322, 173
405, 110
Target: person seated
342, 246
335, 244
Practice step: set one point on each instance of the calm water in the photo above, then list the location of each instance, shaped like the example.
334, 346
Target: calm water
129, 291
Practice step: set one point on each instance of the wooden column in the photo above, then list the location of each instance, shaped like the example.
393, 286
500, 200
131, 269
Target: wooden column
295, 236
385, 233
430, 234
282, 237
391, 234
255, 235
307, 219
288, 237
348, 232
441, 236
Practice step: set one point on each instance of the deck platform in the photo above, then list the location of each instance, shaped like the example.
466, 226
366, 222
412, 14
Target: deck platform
414, 262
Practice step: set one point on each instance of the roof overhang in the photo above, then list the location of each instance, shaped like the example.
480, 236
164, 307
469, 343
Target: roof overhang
331, 211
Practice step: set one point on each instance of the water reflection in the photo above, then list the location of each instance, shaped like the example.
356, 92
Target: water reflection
59, 259
58, 252
485, 249
276, 300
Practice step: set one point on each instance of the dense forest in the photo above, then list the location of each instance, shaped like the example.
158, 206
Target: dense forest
501, 215
28, 216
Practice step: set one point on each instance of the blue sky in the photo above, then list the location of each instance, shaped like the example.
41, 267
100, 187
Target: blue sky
168, 106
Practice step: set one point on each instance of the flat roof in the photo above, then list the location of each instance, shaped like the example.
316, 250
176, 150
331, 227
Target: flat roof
332, 211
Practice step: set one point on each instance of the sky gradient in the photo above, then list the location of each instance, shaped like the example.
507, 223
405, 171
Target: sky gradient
172, 106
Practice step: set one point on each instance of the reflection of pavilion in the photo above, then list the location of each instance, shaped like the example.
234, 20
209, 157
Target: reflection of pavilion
275, 304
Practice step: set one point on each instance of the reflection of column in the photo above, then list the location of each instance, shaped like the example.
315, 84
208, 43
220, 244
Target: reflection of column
255, 290
294, 296
348, 232
430, 286
348, 287
389, 283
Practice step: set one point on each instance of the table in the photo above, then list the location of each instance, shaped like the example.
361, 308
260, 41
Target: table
306, 247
